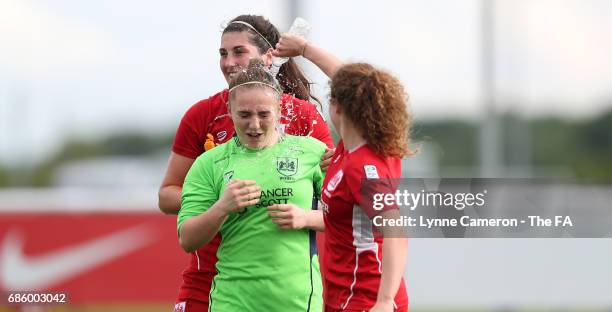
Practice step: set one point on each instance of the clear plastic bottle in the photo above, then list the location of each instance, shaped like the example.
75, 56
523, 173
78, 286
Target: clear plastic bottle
300, 27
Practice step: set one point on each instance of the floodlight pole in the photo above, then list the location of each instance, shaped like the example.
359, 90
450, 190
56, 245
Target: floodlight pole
490, 138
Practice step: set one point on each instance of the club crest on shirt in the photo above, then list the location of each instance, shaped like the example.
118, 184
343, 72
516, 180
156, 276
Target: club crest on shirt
287, 166
371, 172
180, 307
334, 181
221, 135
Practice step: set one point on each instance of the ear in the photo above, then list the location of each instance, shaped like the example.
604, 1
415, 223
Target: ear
267, 57
278, 108
229, 108
338, 109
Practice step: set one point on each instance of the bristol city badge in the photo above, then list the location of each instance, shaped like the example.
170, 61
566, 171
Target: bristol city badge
287, 166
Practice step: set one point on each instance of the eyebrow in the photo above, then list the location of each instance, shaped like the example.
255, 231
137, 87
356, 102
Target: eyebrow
233, 48
253, 112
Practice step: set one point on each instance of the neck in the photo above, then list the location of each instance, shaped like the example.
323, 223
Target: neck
351, 136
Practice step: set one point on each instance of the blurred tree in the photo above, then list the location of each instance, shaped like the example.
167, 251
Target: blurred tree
584, 147
594, 145
4, 177
120, 144
553, 142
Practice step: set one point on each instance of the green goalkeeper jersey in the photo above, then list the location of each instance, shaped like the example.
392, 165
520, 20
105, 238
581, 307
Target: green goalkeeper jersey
260, 267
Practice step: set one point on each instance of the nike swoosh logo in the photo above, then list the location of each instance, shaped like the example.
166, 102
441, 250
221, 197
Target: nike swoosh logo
19, 272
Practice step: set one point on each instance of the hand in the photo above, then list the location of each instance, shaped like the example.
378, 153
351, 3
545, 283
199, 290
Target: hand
239, 194
288, 216
383, 306
326, 159
290, 45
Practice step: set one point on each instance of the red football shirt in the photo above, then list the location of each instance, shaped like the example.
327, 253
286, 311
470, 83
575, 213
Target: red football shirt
210, 116
353, 249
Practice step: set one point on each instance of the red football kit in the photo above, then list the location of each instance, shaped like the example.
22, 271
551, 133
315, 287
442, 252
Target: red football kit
353, 248
209, 120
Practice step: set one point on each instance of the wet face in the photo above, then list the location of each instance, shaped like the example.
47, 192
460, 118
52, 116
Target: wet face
235, 52
255, 112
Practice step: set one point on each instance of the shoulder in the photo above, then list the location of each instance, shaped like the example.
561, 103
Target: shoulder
212, 157
365, 163
209, 105
305, 143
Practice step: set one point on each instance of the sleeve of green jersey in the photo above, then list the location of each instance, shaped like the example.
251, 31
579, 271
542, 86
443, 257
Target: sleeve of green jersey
319, 175
199, 190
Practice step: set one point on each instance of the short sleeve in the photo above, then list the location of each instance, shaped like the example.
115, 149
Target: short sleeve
200, 191
187, 140
369, 184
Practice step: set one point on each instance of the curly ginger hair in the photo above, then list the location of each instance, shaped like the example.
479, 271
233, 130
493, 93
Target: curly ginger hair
377, 104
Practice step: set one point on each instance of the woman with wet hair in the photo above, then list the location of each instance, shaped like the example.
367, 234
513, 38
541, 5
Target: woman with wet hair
243, 189
363, 264
207, 124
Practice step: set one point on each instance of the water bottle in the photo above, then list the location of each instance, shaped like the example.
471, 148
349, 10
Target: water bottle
300, 27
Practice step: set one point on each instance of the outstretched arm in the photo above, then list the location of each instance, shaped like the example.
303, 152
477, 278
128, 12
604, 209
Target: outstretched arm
291, 45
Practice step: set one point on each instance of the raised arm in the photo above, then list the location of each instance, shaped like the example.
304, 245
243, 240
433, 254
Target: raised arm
290, 46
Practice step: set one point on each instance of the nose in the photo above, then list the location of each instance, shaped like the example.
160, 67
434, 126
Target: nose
228, 62
254, 123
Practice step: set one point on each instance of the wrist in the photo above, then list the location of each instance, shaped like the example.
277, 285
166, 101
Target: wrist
303, 53
385, 298
219, 210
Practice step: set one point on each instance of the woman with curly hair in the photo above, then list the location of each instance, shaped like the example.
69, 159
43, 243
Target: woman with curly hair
368, 107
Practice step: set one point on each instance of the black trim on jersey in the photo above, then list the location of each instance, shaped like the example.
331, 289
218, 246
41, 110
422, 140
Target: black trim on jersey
312, 234
312, 239
236, 139
311, 281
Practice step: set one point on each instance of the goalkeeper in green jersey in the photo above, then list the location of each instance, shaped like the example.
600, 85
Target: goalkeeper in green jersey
257, 192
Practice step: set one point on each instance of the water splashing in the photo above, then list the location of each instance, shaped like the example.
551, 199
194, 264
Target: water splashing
300, 27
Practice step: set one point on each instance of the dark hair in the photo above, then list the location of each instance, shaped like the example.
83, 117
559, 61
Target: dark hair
377, 105
255, 72
290, 77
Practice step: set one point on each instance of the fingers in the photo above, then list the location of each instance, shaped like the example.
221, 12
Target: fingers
284, 224
325, 162
279, 215
326, 159
279, 211
289, 46
244, 192
329, 152
250, 202
241, 183
245, 187
249, 195
279, 207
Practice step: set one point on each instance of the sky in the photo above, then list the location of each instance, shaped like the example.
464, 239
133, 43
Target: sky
79, 69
